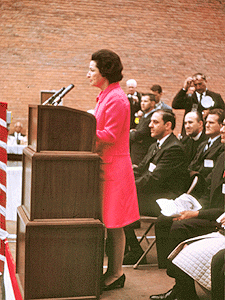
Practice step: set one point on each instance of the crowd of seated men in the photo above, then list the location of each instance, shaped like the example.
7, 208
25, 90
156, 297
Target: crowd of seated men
164, 167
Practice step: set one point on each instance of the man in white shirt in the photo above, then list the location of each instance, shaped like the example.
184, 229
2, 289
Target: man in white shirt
201, 100
18, 132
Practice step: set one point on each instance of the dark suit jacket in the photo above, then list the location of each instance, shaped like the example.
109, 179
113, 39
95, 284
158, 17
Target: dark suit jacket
182, 101
213, 199
191, 145
167, 180
140, 140
212, 154
134, 107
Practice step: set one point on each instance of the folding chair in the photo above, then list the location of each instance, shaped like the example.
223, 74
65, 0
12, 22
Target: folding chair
193, 184
152, 221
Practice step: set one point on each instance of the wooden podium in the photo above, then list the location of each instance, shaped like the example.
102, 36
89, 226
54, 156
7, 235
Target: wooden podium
60, 128
59, 230
60, 184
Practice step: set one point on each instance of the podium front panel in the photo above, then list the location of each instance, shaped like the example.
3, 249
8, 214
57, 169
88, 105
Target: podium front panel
59, 259
60, 128
61, 185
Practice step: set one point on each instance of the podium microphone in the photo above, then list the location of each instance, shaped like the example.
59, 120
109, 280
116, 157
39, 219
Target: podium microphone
52, 98
58, 99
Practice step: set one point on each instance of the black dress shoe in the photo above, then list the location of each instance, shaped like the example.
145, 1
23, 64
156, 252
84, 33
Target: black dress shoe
170, 295
119, 283
132, 257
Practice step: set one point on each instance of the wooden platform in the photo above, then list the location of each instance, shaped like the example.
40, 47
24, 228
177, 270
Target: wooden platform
140, 283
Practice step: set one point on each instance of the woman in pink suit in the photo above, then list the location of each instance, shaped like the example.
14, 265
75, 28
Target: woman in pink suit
120, 204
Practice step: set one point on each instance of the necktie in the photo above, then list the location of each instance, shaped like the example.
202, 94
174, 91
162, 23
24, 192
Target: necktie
156, 148
207, 146
17, 139
200, 99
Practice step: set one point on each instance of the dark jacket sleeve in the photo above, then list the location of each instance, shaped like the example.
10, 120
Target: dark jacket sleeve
210, 214
220, 102
181, 101
140, 134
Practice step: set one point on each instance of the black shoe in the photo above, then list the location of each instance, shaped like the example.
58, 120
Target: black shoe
170, 295
119, 283
132, 257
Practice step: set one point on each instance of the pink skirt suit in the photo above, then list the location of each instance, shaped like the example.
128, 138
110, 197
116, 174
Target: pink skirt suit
112, 112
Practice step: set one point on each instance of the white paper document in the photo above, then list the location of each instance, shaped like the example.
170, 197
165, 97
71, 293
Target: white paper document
218, 220
172, 208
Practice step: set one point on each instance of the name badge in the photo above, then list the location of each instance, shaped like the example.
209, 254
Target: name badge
208, 163
151, 167
223, 188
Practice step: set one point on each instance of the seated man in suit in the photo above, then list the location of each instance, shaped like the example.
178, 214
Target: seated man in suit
140, 137
171, 231
157, 91
134, 98
162, 173
195, 135
201, 100
191, 267
208, 151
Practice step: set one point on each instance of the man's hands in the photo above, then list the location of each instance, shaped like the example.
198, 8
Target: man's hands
187, 83
135, 98
187, 214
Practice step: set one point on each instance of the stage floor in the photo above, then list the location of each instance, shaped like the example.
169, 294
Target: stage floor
140, 283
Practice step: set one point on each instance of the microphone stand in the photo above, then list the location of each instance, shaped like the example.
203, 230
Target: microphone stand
52, 98
58, 99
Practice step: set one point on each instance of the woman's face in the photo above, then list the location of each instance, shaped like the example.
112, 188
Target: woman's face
95, 76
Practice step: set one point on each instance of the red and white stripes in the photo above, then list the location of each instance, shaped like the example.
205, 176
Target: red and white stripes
3, 169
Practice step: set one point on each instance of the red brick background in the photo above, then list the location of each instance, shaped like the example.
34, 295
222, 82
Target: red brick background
46, 45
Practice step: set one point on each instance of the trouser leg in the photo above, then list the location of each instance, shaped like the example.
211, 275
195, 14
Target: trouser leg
217, 275
162, 230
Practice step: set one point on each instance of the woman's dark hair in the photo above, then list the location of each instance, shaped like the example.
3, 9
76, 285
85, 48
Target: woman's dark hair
109, 64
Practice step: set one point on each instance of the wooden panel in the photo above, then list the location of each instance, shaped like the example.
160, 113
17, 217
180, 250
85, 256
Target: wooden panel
45, 95
61, 185
59, 258
32, 126
60, 128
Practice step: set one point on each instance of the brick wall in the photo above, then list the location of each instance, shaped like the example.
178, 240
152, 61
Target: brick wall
46, 45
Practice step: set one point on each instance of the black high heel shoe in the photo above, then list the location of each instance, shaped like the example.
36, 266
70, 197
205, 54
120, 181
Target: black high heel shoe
119, 283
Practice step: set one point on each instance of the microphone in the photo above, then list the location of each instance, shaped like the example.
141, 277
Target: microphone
59, 97
50, 99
